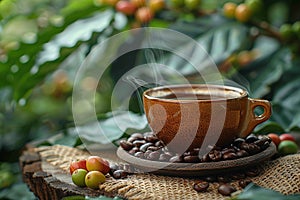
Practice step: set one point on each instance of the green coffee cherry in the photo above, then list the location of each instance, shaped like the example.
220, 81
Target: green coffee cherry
286, 31
296, 28
192, 4
287, 147
78, 177
177, 3
254, 5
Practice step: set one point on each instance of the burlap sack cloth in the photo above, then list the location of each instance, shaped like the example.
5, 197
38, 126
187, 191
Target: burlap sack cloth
282, 175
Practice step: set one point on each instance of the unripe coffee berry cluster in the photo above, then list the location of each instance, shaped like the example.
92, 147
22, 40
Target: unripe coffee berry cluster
89, 172
290, 34
286, 143
142, 10
242, 12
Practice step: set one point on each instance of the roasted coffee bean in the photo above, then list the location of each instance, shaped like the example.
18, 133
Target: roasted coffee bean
253, 149
195, 152
132, 139
186, 153
226, 189
159, 144
251, 138
133, 150
265, 145
262, 141
137, 135
244, 183
191, 159
169, 153
151, 138
250, 148
113, 167
119, 174
147, 153
238, 176
238, 141
236, 148
126, 145
139, 143
176, 159
211, 179
244, 146
215, 155
154, 155
252, 172
139, 154
229, 156
201, 186
152, 148
205, 158
145, 146
164, 157
224, 179
266, 137
228, 150
242, 153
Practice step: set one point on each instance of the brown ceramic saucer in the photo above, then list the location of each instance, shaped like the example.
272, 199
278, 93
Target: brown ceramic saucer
195, 169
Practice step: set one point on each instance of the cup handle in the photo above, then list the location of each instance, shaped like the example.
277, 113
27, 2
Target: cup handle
254, 120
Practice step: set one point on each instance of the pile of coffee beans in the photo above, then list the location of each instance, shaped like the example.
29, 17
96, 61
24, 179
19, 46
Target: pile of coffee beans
148, 146
119, 171
224, 181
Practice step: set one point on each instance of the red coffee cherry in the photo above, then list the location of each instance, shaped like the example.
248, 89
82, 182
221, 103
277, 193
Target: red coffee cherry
126, 7
275, 138
286, 136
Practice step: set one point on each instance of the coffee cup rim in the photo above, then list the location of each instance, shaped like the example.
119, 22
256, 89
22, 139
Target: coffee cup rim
147, 94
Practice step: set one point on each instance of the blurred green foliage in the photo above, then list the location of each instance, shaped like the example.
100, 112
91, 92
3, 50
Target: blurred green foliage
44, 42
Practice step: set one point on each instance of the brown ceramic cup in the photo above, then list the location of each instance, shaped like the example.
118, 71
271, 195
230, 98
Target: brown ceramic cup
199, 115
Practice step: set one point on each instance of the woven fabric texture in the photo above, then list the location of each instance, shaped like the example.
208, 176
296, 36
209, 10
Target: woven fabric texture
281, 174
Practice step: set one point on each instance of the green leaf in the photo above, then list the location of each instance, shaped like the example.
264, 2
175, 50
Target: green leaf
269, 127
286, 90
48, 52
282, 116
265, 47
218, 37
17, 191
286, 109
77, 197
254, 192
266, 74
81, 30
112, 128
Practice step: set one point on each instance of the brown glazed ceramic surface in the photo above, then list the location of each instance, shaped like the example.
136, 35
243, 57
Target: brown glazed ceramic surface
187, 116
